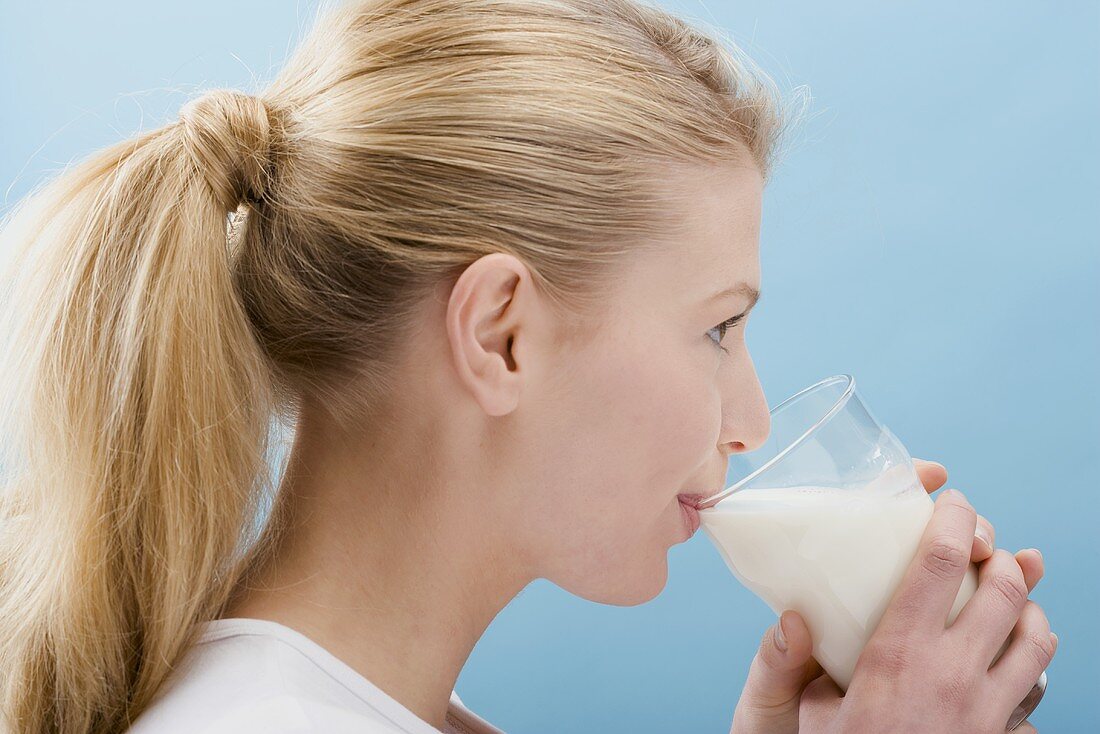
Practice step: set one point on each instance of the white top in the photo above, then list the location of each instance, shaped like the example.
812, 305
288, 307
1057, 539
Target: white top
247, 676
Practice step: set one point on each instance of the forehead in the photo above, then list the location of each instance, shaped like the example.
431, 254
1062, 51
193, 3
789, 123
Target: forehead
716, 243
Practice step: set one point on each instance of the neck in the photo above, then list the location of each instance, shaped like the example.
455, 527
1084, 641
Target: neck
400, 590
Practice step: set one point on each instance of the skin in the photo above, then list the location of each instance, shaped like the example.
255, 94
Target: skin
410, 535
937, 678
773, 693
505, 458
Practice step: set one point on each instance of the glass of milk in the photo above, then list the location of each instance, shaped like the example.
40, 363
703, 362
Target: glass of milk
826, 520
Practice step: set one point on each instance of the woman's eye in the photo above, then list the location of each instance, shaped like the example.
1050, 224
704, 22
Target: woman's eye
723, 327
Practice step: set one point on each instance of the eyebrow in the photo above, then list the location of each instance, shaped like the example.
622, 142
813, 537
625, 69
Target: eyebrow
741, 289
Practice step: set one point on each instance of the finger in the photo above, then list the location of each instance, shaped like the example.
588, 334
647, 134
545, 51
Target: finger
1030, 650
1031, 562
777, 674
932, 475
983, 541
931, 582
820, 702
989, 616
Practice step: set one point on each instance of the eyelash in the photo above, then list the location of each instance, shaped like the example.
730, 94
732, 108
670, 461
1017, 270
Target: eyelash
724, 327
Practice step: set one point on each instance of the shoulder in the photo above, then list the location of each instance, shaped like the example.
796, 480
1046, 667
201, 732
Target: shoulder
277, 714
245, 679
290, 714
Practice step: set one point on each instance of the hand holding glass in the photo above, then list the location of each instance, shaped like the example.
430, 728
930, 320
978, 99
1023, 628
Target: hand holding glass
826, 521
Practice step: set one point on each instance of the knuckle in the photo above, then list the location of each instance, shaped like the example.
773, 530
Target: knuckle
1010, 587
946, 557
953, 688
887, 657
1036, 637
1040, 647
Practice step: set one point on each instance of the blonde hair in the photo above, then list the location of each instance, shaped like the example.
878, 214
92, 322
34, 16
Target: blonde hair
173, 295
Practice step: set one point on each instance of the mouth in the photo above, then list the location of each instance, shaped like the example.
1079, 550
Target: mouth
691, 514
692, 499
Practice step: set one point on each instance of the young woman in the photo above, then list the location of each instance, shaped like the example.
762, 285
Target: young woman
493, 261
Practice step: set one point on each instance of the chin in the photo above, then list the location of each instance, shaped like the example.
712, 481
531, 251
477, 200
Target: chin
641, 597
642, 593
637, 586
621, 572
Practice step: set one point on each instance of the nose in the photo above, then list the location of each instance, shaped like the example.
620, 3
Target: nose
746, 421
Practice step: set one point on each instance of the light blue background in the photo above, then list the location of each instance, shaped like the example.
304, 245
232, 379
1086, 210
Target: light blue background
933, 231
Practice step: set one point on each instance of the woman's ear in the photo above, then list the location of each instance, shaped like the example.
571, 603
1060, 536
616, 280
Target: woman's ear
484, 312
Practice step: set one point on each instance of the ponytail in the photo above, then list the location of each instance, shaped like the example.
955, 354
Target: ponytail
144, 352
135, 417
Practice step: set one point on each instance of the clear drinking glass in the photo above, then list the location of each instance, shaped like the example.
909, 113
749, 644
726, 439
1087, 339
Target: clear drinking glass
826, 520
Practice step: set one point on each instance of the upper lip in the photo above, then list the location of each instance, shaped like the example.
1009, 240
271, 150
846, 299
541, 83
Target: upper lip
692, 498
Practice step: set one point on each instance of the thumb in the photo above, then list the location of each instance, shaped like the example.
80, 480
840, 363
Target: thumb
820, 703
780, 671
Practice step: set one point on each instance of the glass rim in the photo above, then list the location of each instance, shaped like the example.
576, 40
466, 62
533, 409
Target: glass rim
714, 499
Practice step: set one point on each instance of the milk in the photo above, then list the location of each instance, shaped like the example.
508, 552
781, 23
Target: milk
835, 556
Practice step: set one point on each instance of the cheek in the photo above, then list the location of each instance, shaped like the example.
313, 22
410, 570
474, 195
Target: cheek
609, 446
676, 419
684, 420
659, 419
612, 444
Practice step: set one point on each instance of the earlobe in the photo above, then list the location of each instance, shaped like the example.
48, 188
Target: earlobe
481, 320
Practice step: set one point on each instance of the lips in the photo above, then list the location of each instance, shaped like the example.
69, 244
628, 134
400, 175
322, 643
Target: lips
692, 499
691, 514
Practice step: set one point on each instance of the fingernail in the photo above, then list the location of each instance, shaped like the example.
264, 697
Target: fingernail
983, 535
780, 638
1055, 638
1039, 552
